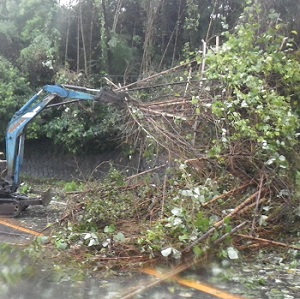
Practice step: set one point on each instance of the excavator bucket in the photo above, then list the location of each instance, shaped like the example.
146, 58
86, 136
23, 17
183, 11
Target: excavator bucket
107, 96
46, 197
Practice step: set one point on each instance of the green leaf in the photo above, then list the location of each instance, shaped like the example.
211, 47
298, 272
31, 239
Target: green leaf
61, 244
195, 100
197, 251
110, 229
119, 237
202, 222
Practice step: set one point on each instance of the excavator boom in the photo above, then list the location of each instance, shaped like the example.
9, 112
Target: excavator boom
12, 203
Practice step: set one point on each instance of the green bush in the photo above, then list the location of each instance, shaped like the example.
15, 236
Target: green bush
14, 91
257, 83
86, 127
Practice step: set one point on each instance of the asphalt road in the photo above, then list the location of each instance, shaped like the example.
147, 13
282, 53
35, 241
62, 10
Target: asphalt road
30, 223
10, 233
150, 284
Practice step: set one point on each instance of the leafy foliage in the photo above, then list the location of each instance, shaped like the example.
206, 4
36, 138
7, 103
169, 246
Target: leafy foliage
250, 116
257, 83
122, 56
39, 38
30, 39
84, 127
13, 91
40, 66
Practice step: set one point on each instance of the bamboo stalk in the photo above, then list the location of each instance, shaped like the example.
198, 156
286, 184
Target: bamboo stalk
269, 242
221, 222
144, 172
257, 203
247, 208
182, 267
233, 231
156, 75
164, 114
240, 207
227, 194
142, 287
168, 103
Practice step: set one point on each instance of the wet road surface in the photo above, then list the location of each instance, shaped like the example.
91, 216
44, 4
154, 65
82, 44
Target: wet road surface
34, 222
268, 277
12, 233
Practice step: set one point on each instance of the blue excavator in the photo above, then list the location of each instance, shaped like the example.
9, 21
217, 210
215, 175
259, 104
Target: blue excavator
11, 202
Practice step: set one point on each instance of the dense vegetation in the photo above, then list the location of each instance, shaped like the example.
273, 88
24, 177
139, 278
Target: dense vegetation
84, 41
213, 88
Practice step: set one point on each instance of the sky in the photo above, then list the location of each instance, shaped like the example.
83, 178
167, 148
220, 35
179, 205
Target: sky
67, 2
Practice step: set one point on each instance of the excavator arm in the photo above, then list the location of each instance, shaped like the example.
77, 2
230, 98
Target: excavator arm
12, 203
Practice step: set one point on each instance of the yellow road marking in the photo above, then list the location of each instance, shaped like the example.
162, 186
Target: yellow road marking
7, 223
192, 284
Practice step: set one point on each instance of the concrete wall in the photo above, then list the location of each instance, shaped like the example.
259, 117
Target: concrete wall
41, 160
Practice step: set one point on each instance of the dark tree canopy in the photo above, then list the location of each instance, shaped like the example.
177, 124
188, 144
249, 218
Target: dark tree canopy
125, 40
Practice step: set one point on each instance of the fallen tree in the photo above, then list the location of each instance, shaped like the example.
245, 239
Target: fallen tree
222, 134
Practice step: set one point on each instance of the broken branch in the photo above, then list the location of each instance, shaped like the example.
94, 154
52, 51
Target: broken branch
269, 242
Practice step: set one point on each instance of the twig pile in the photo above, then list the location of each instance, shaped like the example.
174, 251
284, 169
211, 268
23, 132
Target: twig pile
182, 124
178, 122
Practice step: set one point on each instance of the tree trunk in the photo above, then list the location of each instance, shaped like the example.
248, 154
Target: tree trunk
83, 40
116, 16
178, 23
91, 41
151, 7
67, 40
174, 35
210, 25
107, 37
78, 45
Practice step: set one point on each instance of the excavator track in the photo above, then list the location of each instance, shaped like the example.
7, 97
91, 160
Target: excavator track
10, 207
